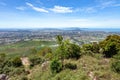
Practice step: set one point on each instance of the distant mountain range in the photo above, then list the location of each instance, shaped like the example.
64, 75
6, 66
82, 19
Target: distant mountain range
66, 29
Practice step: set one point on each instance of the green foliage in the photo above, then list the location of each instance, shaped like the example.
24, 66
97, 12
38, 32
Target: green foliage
60, 51
87, 47
18, 71
72, 50
44, 51
66, 49
2, 57
35, 60
116, 63
16, 62
110, 49
71, 66
116, 66
59, 39
94, 48
49, 56
55, 66
117, 56
111, 45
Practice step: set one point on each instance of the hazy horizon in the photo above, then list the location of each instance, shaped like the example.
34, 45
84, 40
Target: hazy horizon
59, 14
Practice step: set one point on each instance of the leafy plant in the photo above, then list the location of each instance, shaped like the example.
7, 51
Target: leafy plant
116, 66
71, 66
55, 66
35, 60
16, 62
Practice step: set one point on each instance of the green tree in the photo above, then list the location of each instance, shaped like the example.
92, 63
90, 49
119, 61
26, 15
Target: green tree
59, 39
60, 51
111, 45
66, 49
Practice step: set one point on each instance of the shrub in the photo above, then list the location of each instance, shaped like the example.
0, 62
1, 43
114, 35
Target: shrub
18, 71
71, 66
49, 56
117, 56
111, 45
71, 50
16, 62
55, 66
116, 66
110, 49
35, 60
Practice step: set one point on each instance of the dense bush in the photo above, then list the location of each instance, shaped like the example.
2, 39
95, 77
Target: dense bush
116, 66
94, 48
18, 71
49, 56
87, 47
16, 62
117, 56
55, 66
111, 45
71, 66
35, 60
110, 49
72, 51
67, 49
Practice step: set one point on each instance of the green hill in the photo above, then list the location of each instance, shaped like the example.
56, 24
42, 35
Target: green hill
66, 61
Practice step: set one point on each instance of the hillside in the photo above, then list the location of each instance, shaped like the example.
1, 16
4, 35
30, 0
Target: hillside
67, 61
24, 47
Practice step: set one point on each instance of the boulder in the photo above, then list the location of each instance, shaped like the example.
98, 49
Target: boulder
3, 77
45, 65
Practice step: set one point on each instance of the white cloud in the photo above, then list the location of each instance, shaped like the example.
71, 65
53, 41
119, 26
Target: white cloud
21, 8
37, 8
106, 4
61, 9
102, 4
88, 9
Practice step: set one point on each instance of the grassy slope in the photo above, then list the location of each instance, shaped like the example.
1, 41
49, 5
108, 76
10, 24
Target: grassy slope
23, 47
100, 68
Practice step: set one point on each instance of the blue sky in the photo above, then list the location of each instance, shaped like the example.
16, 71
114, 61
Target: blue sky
59, 13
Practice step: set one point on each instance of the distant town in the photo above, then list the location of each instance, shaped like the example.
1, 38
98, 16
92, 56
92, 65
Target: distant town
77, 35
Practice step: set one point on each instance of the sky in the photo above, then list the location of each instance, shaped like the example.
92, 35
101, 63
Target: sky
59, 13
